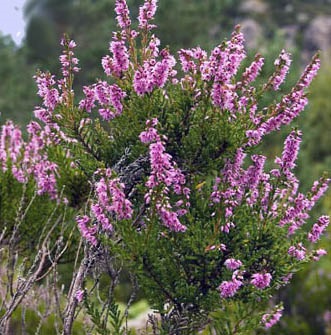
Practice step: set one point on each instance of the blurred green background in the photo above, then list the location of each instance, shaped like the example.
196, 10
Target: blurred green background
300, 26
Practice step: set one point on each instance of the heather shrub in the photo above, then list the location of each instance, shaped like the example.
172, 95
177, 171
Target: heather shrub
161, 163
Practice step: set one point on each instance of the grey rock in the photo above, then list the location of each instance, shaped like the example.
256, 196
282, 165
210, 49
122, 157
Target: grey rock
253, 33
318, 34
254, 6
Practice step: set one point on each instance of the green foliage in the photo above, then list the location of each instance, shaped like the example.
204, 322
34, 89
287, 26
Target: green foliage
111, 323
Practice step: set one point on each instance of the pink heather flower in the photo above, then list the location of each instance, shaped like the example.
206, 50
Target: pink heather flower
153, 47
164, 174
89, 102
282, 64
68, 61
120, 60
79, 295
170, 220
253, 177
309, 73
153, 74
226, 60
28, 159
43, 114
44, 172
318, 189
298, 252
150, 135
142, 82
123, 14
107, 65
187, 60
101, 217
286, 279
224, 96
232, 264
261, 280
146, 14
229, 288
296, 213
86, 231
110, 199
269, 320
291, 150
318, 229
109, 97
327, 316
318, 254
45, 83
253, 70
288, 109
11, 144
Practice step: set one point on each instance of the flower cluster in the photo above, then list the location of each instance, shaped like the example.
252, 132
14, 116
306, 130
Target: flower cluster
119, 62
28, 159
298, 252
146, 14
241, 185
276, 194
68, 60
253, 70
164, 176
290, 152
47, 90
232, 264
154, 74
229, 288
87, 231
109, 97
291, 105
318, 229
109, 206
261, 280
270, 319
282, 64
55, 92
123, 14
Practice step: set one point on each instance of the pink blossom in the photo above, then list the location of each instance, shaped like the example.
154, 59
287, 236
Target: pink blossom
123, 14
282, 63
318, 189
229, 288
88, 232
120, 60
309, 73
79, 295
253, 70
232, 264
164, 175
150, 135
261, 280
318, 229
146, 14
68, 61
47, 91
290, 152
318, 254
269, 320
170, 220
111, 200
298, 252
